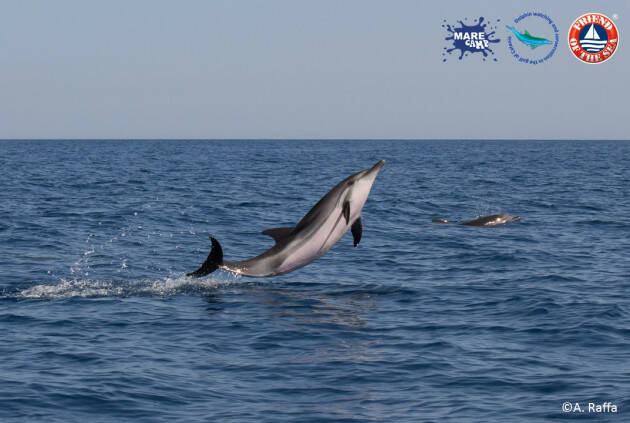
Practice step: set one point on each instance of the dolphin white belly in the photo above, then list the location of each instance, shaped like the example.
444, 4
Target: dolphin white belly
317, 245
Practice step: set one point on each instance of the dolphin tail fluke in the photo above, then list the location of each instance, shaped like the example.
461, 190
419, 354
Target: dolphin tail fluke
212, 263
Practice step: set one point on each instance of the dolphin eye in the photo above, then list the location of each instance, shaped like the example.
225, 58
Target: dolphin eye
350, 183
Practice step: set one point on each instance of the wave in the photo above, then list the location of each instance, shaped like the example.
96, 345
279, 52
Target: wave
86, 288
593, 46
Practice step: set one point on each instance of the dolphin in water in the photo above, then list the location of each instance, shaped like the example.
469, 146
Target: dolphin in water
337, 212
492, 220
528, 39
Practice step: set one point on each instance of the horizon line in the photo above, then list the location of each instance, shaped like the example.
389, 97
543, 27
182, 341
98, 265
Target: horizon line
314, 139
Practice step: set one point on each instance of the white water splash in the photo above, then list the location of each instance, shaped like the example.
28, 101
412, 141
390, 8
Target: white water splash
92, 288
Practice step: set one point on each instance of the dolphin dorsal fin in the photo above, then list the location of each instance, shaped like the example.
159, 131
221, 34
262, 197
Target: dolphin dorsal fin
277, 233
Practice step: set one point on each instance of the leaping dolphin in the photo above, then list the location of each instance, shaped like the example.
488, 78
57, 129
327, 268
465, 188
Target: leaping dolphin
492, 220
321, 228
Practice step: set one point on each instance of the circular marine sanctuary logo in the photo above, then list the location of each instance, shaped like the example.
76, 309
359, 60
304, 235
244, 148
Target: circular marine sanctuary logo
533, 38
593, 38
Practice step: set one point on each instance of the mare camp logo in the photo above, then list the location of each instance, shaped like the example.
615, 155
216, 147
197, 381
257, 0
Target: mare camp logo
469, 39
593, 38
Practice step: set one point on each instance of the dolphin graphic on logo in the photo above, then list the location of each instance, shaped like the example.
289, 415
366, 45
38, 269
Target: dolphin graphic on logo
528, 39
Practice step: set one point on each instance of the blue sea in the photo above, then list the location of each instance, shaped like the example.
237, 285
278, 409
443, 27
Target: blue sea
422, 322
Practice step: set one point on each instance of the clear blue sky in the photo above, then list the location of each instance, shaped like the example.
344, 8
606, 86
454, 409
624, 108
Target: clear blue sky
294, 69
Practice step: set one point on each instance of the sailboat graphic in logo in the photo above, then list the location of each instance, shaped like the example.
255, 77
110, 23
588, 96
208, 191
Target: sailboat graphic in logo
593, 38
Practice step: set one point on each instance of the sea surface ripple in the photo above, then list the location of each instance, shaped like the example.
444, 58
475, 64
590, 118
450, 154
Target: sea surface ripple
421, 323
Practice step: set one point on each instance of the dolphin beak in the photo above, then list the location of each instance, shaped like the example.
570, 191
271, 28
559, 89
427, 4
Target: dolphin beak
373, 171
376, 168
370, 174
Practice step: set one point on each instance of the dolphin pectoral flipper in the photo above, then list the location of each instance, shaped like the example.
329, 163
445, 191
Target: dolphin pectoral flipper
277, 233
212, 263
346, 211
357, 231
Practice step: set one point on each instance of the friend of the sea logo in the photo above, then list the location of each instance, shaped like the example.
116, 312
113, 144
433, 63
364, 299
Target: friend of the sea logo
593, 38
469, 39
532, 38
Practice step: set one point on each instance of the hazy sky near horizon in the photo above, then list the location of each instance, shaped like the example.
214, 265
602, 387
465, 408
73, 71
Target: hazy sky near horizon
296, 69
